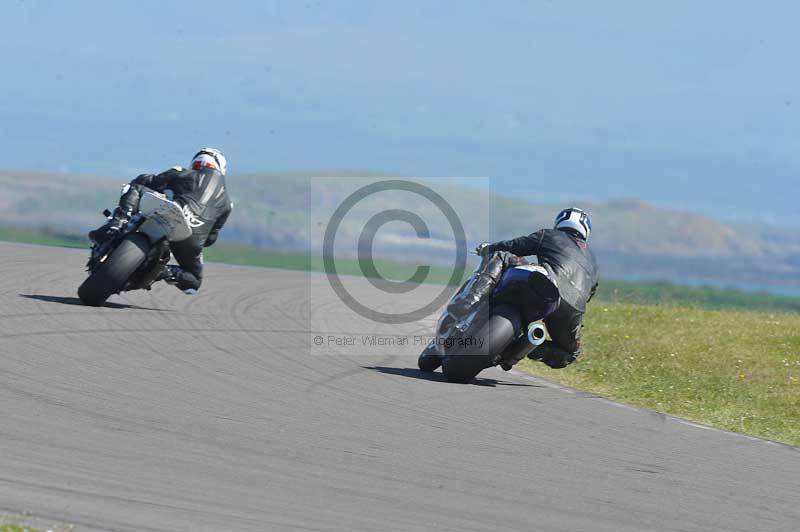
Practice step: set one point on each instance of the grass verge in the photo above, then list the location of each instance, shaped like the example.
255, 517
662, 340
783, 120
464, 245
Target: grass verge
12, 523
44, 236
665, 293
393, 270
739, 371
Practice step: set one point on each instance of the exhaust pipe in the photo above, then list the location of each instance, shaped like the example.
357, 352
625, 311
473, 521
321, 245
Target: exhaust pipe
536, 333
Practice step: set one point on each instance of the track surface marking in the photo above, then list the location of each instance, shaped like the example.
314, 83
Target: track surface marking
168, 412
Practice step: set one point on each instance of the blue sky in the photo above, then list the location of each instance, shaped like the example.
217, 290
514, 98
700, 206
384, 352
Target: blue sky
686, 104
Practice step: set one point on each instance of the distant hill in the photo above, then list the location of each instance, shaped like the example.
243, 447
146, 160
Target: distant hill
289, 211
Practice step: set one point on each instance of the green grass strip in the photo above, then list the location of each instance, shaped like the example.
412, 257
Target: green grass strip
739, 371
43, 236
647, 293
17, 528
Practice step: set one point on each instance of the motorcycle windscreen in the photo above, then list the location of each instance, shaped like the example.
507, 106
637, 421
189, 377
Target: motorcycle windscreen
164, 218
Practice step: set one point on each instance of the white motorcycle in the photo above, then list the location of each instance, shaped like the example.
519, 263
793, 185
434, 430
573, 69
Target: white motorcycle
134, 258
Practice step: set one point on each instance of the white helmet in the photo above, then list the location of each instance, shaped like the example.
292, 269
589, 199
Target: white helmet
210, 158
574, 219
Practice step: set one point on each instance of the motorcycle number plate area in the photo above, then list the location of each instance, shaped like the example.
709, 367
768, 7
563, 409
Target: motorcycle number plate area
520, 274
531, 268
164, 218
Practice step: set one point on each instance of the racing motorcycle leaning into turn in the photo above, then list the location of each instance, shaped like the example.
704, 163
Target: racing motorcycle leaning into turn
495, 318
135, 258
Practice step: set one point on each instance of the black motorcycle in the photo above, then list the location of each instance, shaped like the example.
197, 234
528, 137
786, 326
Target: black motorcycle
135, 257
493, 319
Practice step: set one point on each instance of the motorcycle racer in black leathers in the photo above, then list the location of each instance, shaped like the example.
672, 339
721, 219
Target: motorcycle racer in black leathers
564, 251
202, 194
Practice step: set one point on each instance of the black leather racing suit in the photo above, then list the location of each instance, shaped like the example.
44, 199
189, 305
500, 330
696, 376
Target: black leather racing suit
203, 192
575, 268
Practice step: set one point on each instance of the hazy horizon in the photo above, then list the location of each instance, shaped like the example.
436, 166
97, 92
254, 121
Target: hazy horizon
684, 105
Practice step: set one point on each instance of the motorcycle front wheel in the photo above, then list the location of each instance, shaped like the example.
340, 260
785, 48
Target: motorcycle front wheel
429, 359
112, 274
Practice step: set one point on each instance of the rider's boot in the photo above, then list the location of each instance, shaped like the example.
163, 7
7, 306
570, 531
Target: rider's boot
110, 229
171, 275
516, 351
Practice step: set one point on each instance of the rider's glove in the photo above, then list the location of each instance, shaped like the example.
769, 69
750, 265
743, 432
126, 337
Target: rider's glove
143, 179
483, 249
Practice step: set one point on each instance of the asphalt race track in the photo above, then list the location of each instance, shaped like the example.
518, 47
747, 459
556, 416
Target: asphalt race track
168, 412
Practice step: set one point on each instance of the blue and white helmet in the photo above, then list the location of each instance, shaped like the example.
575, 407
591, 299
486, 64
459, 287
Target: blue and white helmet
574, 219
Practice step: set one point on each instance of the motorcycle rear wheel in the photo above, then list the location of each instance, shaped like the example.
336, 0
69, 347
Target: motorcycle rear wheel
496, 334
112, 274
